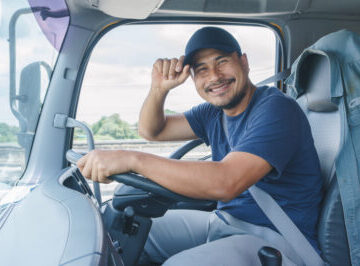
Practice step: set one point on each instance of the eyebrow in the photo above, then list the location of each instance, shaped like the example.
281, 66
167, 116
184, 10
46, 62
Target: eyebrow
216, 59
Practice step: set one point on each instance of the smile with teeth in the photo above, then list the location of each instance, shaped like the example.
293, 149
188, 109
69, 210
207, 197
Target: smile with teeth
219, 87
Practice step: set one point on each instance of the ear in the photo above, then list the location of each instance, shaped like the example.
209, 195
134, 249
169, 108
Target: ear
192, 74
244, 63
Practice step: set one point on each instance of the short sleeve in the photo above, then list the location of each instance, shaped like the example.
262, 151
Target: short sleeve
273, 132
200, 119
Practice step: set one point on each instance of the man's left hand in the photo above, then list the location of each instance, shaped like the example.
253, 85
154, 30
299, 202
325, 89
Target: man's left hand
97, 165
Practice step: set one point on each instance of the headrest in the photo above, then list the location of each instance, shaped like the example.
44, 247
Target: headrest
314, 80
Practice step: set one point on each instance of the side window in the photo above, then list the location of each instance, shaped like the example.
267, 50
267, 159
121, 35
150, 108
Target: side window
118, 78
29, 43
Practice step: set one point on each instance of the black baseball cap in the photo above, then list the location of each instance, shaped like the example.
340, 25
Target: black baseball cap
210, 37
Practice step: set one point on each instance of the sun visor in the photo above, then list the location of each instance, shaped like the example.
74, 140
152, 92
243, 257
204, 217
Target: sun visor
133, 9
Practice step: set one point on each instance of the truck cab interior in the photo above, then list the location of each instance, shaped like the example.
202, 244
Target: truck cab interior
71, 64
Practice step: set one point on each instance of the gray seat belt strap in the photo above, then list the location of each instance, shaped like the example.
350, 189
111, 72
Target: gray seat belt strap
278, 76
281, 221
285, 226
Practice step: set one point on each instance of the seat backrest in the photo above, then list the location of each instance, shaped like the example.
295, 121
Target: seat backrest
324, 118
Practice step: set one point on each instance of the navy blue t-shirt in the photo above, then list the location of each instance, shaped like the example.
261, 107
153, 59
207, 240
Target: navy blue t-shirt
273, 127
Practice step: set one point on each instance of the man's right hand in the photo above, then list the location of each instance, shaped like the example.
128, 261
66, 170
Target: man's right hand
153, 123
169, 73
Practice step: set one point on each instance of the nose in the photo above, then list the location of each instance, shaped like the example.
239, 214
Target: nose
214, 74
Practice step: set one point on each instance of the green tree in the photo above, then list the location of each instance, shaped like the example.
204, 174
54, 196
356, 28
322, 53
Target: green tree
8, 133
170, 112
112, 127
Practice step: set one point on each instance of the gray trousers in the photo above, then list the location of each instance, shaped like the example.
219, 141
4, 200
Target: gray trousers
191, 237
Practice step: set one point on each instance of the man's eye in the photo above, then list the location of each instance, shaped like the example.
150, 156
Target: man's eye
222, 61
200, 70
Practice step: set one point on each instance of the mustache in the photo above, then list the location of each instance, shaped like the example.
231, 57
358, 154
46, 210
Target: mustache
218, 83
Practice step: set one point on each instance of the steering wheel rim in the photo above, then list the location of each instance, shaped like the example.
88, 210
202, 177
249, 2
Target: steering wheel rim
184, 149
143, 183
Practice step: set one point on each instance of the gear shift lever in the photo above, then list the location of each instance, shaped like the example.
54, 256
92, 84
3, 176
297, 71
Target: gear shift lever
270, 256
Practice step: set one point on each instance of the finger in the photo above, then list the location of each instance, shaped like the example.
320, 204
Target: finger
158, 66
107, 181
102, 172
165, 69
81, 162
100, 178
80, 165
184, 74
86, 171
179, 65
173, 64
94, 172
104, 179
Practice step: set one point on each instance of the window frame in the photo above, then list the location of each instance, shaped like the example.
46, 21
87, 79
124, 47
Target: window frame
280, 60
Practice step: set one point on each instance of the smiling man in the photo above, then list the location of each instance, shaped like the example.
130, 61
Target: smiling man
257, 135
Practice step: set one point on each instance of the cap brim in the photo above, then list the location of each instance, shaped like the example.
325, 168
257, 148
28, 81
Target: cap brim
188, 58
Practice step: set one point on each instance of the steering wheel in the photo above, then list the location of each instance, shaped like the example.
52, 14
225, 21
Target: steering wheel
140, 182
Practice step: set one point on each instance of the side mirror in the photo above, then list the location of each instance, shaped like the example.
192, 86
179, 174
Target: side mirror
32, 78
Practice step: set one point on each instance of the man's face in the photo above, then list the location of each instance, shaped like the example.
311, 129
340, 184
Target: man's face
220, 78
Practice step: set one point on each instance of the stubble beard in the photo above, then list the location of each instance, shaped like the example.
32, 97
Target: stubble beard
236, 100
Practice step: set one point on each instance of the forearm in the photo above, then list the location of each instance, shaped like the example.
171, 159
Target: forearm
196, 179
166, 75
222, 180
152, 119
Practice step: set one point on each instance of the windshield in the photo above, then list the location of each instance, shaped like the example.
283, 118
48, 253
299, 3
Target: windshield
31, 34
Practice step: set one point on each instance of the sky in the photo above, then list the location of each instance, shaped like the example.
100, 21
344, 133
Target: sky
118, 75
